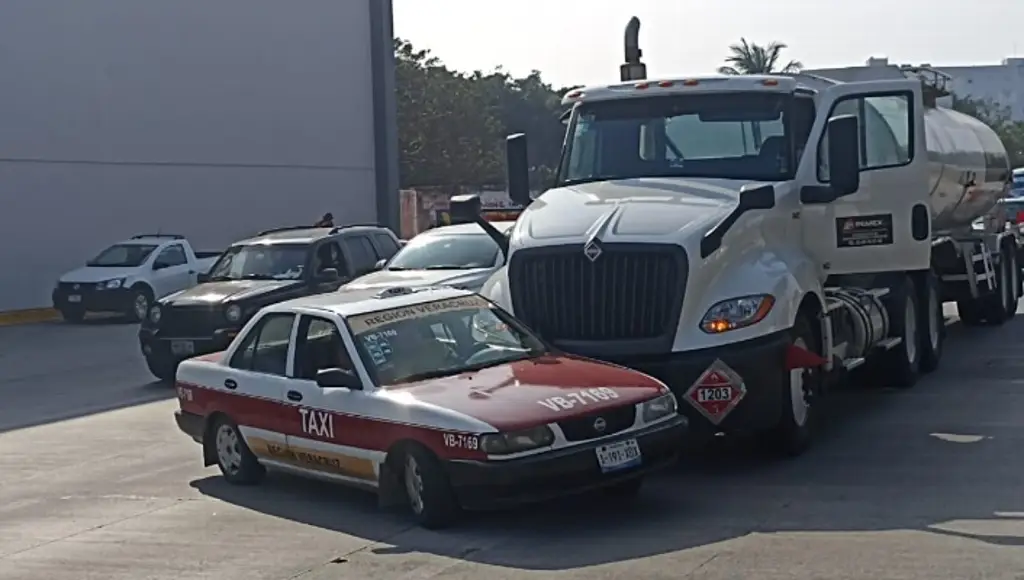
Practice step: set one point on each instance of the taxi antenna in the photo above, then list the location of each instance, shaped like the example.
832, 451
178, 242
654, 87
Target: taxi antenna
633, 69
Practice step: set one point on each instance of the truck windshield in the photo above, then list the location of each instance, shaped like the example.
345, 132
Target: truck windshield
261, 262
732, 136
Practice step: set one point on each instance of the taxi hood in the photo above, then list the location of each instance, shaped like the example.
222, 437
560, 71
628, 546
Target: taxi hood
629, 209
523, 394
469, 278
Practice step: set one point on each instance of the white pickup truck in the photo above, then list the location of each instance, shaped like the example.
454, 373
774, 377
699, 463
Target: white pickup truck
127, 277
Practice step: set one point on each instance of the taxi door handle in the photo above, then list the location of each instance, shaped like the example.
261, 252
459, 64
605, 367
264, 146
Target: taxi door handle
294, 396
230, 384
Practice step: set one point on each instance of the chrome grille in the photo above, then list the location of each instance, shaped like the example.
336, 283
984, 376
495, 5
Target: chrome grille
189, 321
629, 292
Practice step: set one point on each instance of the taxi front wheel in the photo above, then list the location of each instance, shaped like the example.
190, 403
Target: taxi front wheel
234, 458
428, 490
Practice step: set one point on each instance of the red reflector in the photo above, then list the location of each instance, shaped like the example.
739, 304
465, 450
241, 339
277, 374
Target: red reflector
1020, 217
801, 358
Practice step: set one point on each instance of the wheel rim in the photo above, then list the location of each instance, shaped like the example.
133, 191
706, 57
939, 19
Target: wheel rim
141, 306
910, 330
797, 395
414, 484
935, 310
229, 455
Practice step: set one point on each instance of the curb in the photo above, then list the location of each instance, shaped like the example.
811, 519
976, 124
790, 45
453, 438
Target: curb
28, 316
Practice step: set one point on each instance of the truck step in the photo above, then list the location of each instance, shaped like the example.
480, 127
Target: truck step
890, 343
852, 363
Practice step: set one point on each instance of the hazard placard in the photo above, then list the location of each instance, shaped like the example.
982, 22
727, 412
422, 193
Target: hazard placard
716, 392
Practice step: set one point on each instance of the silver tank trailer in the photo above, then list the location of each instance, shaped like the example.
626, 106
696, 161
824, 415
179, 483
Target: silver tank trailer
969, 169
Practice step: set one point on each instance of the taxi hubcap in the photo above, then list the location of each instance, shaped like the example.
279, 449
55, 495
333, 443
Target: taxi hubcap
228, 453
414, 484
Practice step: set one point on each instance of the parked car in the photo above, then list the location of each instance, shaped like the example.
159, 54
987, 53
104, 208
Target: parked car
1017, 186
275, 265
127, 277
433, 397
462, 255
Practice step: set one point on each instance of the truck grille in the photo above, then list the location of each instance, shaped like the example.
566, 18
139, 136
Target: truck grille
582, 428
189, 321
630, 292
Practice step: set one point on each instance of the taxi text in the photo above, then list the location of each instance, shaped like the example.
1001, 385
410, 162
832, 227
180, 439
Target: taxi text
318, 423
579, 398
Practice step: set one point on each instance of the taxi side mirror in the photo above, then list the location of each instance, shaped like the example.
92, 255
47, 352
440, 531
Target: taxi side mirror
338, 378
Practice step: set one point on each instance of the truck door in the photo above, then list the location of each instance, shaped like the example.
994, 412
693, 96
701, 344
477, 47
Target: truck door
871, 229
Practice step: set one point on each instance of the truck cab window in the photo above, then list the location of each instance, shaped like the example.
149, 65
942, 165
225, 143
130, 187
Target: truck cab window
885, 131
173, 255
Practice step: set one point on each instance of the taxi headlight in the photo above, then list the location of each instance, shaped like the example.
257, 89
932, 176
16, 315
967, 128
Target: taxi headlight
233, 313
516, 441
154, 314
658, 408
737, 313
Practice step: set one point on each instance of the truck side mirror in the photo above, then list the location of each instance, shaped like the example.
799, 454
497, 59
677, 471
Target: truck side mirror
844, 154
517, 168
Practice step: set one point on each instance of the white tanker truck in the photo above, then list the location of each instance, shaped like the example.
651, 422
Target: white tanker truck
750, 240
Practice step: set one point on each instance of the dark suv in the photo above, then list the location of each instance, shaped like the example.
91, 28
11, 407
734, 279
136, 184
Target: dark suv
275, 265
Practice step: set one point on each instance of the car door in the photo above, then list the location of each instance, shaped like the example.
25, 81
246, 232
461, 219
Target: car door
327, 430
171, 271
359, 251
329, 255
257, 371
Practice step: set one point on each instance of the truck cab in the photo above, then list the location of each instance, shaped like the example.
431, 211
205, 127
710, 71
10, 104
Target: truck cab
748, 240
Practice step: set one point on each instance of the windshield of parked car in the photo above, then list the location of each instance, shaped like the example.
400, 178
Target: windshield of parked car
122, 256
735, 136
446, 252
261, 262
439, 339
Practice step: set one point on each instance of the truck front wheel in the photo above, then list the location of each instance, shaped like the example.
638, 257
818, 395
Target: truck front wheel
795, 430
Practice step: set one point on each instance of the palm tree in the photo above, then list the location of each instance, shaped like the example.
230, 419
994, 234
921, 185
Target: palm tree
751, 59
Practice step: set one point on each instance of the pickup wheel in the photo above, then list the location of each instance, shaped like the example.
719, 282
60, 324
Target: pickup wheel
142, 299
74, 315
234, 458
163, 368
428, 490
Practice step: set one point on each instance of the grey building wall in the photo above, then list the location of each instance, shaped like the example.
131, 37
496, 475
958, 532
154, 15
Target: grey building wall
209, 118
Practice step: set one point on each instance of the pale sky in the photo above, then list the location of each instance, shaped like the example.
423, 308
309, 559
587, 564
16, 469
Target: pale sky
580, 41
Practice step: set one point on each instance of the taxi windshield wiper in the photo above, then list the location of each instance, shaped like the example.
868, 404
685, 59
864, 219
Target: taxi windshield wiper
439, 373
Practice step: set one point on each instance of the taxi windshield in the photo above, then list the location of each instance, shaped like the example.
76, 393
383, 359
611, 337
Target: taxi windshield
439, 339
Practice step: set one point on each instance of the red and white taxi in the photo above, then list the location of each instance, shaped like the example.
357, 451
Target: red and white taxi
433, 397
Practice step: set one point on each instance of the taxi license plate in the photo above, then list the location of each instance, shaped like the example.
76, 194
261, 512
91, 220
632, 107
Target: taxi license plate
620, 455
183, 347
74, 298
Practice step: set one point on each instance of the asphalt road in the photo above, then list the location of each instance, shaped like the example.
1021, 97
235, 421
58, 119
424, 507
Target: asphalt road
96, 483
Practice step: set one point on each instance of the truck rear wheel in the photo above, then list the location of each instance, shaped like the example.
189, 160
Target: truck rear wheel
900, 366
933, 335
1002, 305
795, 430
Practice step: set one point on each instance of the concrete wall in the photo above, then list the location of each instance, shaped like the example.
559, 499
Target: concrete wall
209, 118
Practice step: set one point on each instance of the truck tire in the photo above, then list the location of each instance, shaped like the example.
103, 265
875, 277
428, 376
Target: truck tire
900, 366
141, 300
933, 336
795, 431
1002, 305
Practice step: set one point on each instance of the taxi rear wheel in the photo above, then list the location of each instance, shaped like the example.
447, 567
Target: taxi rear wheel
427, 489
234, 458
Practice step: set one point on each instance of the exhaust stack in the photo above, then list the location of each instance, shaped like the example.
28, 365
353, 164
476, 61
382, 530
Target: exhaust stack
633, 69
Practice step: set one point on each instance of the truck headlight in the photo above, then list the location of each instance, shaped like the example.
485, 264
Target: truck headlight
154, 314
233, 313
112, 284
658, 408
737, 313
507, 443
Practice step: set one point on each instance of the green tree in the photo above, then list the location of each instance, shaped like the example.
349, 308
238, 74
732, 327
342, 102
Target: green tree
747, 58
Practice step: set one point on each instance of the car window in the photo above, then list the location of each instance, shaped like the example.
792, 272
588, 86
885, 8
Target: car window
122, 256
329, 255
361, 252
319, 346
265, 348
261, 262
387, 245
434, 339
447, 252
173, 255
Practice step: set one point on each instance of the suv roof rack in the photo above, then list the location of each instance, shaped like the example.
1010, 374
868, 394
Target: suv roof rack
285, 229
168, 236
337, 229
